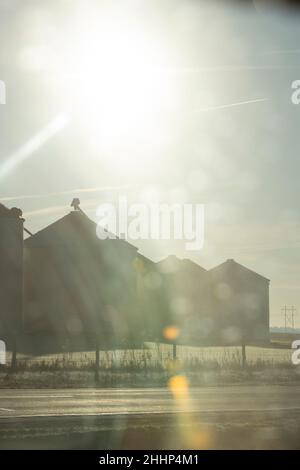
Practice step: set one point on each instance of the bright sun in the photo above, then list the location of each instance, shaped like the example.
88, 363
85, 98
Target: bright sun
119, 86
119, 90
114, 79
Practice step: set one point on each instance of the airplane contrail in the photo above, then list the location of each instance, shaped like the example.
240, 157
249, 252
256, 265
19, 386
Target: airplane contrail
65, 193
47, 210
233, 68
56, 209
33, 144
231, 105
283, 51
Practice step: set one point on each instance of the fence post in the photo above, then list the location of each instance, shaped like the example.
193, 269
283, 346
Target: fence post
97, 358
244, 358
13, 364
174, 351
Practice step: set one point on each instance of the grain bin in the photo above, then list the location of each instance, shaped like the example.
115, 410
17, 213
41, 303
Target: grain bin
11, 270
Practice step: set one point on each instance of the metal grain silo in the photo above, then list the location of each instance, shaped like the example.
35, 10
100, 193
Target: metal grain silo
11, 271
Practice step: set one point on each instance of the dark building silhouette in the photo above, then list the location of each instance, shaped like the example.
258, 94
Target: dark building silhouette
228, 304
77, 285
11, 273
79, 289
185, 288
238, 303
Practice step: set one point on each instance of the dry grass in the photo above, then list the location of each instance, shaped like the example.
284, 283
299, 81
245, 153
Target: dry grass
283, 340
159, 357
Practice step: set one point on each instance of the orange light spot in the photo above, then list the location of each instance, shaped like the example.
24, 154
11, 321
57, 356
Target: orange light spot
138, 265
179, 386
171, 333
201, 440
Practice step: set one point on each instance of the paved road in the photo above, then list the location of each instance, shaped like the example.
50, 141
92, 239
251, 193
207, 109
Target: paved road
87, 402
230, 417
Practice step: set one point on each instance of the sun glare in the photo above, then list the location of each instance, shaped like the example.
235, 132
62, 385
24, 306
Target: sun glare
120, 88
114, 77
119, 92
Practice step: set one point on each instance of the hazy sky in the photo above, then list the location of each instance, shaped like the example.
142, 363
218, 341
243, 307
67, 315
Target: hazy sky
133, 98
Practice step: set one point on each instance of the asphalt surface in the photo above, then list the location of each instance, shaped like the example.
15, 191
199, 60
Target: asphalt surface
30, 403
230, 417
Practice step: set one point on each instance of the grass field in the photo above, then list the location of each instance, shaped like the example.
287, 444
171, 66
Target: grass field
156, 356
283, 339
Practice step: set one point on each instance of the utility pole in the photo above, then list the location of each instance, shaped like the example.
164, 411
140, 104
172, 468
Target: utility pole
289, 316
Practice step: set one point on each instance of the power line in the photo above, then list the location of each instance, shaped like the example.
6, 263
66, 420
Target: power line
289, 316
